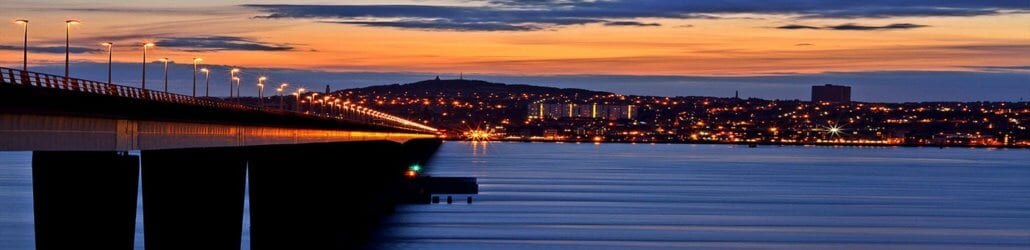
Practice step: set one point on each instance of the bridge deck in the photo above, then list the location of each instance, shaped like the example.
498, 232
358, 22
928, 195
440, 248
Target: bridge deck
46, 112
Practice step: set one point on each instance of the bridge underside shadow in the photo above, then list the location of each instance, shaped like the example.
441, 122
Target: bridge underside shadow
304, 196
192, 198
327, 196
84, 200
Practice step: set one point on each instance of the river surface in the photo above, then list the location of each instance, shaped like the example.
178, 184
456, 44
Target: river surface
648, 196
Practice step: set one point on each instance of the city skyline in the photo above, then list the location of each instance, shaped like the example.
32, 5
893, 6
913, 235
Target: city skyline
888, 51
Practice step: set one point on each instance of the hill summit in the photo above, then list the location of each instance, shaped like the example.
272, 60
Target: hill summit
452, 86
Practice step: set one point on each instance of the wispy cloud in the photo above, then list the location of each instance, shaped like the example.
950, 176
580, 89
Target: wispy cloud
220, 43
852, 26
525, 15
51, 49
1015, 69
631, 23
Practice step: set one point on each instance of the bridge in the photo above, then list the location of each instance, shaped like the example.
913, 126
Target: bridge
316, 179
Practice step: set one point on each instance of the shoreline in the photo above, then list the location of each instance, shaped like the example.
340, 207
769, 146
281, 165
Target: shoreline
767, 144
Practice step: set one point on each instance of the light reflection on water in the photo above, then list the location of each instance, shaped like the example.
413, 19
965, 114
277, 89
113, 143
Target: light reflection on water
646, 196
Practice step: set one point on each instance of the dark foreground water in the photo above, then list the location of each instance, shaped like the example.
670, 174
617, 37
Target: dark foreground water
622, 196
642, 196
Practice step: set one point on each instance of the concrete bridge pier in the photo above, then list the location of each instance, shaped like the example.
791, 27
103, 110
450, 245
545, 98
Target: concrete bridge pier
317, 196
84, 200
193, 198
326, 195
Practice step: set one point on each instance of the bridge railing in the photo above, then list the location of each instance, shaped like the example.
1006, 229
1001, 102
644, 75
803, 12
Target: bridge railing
43, 80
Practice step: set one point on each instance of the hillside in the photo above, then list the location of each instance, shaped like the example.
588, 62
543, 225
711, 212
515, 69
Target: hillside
471, 86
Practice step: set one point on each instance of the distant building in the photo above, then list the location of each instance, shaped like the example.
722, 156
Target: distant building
831, 93
544, 110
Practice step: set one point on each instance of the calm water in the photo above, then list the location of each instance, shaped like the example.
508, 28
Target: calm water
626, 196
621, 196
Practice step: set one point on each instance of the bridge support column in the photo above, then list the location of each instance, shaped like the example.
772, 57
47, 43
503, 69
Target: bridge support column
193, 198
84, 200
320, 196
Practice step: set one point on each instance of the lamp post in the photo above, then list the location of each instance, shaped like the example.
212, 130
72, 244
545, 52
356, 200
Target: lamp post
144, 82
195, 61
25, 44
299, 92
280, 92
324, 100
235, 78
239, 81
207, 82
67, 44
311, 101
110, 56
261, 86
261, 91
232, 77
165, 60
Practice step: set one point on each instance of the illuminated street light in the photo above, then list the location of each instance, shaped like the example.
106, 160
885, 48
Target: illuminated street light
232, 77
25, 44
110, 56
67, 44
145, 46
311, 101
261, 86
237, 79
299, 92
195, 61
207, 82
279, 91
165, 60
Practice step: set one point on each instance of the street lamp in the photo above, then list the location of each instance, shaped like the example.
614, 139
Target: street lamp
165, 60
207, 82
237, 79
261, 86
280, 93
232, 77
67, 44
195, 61
300, 91
25, 45
311, 101
145, 46
110, 56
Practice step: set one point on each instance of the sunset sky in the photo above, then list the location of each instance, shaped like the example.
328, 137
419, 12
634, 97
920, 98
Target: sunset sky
955, 50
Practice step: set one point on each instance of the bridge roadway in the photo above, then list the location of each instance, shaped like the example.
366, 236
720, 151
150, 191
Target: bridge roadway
316, 181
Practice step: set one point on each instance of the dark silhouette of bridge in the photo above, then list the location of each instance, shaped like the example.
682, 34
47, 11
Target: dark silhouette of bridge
317, 180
